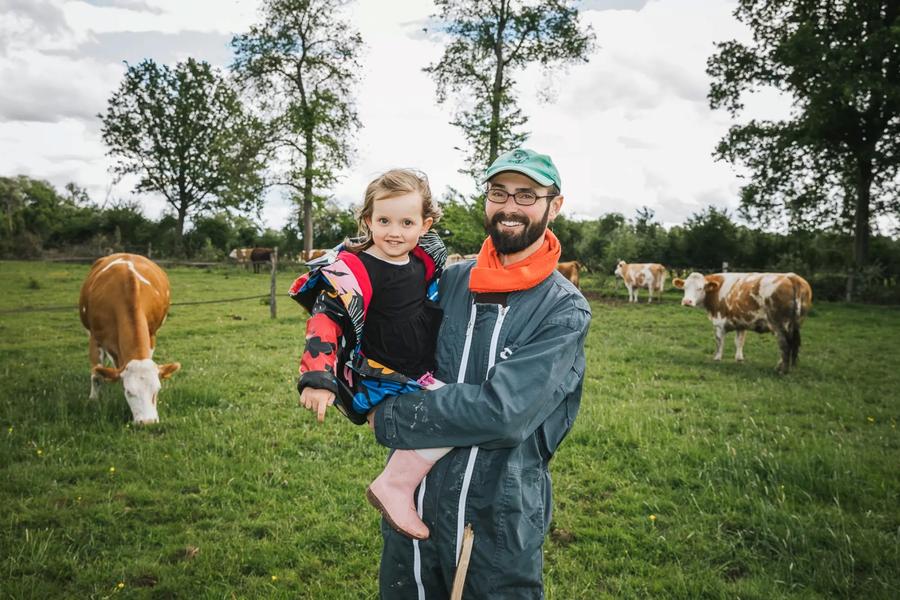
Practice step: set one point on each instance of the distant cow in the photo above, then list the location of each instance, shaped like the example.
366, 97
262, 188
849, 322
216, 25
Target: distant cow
642, 275
776, 302
124, 301
570, 271
241, 255
305, 256
258, 256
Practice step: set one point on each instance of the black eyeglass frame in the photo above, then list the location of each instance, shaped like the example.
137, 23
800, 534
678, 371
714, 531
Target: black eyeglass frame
514, 194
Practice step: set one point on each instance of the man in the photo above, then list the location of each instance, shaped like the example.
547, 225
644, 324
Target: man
512, 340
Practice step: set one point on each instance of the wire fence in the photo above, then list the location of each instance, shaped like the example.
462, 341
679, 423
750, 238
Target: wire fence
272, 261
33, 309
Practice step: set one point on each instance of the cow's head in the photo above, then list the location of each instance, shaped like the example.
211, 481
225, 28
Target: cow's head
141, 380
695, 287
620, 269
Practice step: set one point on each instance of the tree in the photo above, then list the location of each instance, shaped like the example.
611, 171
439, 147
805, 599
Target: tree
710, 238
489, 41
835, 160
462, 222
185, 133
301, 63
35, 215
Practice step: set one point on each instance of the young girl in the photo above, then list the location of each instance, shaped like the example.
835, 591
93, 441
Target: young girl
373, 326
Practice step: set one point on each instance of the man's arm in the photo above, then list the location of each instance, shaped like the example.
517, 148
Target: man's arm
519, 394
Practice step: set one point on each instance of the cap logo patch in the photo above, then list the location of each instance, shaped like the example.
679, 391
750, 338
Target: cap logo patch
519, 156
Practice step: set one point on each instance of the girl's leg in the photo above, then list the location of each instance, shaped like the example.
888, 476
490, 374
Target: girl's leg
433, 454
392, 491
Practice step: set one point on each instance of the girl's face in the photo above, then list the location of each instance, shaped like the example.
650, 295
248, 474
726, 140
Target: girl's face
396, 225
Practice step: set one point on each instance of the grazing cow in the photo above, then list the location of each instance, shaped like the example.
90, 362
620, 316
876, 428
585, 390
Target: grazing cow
124, 301
776, 302
258, 256
305, 256
570, 271
241, 255
642, 275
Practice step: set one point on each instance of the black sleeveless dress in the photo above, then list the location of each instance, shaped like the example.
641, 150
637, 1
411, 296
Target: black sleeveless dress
401, 323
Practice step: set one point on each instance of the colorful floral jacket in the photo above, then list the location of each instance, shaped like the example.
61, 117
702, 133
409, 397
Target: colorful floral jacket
336, 292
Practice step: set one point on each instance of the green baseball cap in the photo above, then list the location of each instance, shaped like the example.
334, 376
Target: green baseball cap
539, 167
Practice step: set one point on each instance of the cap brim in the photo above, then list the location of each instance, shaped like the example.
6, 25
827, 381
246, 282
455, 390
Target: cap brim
541, 179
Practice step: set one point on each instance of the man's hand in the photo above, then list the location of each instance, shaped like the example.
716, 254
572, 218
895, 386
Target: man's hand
371, 418
317, 401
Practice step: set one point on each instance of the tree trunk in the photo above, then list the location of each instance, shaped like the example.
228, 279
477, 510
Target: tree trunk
308, 193
179, 229
860, 228
497, 91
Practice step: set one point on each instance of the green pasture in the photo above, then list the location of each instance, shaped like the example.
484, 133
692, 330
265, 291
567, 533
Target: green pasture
682, 478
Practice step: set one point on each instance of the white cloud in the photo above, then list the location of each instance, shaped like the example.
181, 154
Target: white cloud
41, 87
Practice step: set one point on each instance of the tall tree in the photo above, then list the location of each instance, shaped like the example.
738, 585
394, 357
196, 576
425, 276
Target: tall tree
301, 63
184, 132
835, 160
489, 41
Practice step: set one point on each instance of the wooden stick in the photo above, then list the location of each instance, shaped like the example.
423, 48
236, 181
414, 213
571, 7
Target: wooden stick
459, 580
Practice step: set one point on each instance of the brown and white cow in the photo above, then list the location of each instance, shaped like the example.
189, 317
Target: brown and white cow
124, 301
570, 271
776, 302
241, 255
642, 275
313, 254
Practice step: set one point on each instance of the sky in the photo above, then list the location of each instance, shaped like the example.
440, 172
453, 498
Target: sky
630, 128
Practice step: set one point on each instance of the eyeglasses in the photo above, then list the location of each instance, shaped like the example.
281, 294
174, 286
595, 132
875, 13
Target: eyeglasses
521, 198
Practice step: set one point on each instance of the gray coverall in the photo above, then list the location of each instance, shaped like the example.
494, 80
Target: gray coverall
519, 371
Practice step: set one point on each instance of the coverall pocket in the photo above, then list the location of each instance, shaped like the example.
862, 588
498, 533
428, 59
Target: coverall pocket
522, 513
516, 569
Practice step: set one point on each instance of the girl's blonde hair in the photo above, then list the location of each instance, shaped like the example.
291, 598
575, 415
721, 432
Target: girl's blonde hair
391, 184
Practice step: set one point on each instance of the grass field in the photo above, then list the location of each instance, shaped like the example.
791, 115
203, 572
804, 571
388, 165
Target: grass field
682, 478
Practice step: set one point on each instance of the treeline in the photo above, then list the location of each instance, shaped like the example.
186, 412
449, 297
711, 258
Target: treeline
711, 240
39, 220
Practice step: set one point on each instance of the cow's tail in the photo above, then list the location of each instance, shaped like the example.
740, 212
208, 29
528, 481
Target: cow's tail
800, 302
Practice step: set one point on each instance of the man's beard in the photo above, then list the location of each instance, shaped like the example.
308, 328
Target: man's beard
510, 243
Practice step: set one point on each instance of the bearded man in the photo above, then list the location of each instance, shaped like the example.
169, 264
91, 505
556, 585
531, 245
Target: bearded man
511, 347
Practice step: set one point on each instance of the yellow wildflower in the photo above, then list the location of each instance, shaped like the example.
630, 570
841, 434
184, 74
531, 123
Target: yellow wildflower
121, 585
112, 469
653, 518
274, 577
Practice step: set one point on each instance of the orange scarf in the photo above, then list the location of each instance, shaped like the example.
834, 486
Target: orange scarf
490, 275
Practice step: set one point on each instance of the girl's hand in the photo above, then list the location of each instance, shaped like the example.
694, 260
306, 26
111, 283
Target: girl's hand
317, 401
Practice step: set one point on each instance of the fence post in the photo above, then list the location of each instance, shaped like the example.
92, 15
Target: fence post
150, 250
272, 309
